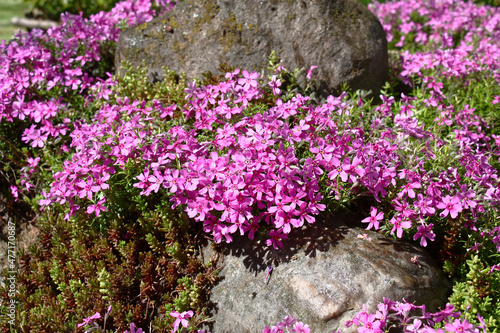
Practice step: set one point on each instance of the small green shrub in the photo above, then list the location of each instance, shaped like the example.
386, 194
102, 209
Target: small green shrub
52, 9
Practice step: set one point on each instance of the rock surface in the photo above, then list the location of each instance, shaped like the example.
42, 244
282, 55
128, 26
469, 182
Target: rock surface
342, 37
323, 279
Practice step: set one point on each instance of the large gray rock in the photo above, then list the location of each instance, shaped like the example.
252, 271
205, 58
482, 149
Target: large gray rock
322, 276
341, 37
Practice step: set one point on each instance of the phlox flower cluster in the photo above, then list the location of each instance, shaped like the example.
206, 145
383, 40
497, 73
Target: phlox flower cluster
289, 324
411, 319
36, 62
255, 173
458, 42
390, 314
423, 191
270, 167
251, 172
441, 22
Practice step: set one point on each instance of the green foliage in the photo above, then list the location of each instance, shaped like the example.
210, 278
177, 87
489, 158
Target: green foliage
495, 3
479, 294
76, 270
135, 84
104, 283
52, 9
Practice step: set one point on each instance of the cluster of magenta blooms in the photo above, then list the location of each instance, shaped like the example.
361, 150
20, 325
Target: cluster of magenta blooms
414, 319
268, 168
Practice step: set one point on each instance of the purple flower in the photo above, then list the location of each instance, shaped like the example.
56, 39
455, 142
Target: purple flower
182, 319
299, 327
374, 219
134, 330
398, 225
408, 189
275, 84
460, 327
249, 80
424, 233
309, 72
450, 205
97, 208
370, 324
90, 319
14, 191
288, 321
276, 237
425, 205
269, 271
449, 311
415, 327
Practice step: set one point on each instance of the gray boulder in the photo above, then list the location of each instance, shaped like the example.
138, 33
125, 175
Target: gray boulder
342, 37
322, 276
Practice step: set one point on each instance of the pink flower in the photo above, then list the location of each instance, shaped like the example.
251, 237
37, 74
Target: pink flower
415, 327
198, 209
133, 329
425, 205
38, 139
97, 208
249, 80
370, 324
399, 225
87, 188
175, 181
451, 205
374, 219
33, 162
90, 319
309, 72
274, 329
181, 319
408, 189
449, 311
288, 321
424, 232
284, 221
276, 237
14, 191
460, 327
299, 327
275, 84
403, 208
232, 75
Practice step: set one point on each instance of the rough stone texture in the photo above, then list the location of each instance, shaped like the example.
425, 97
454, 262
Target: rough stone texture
324, 279
341, 37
